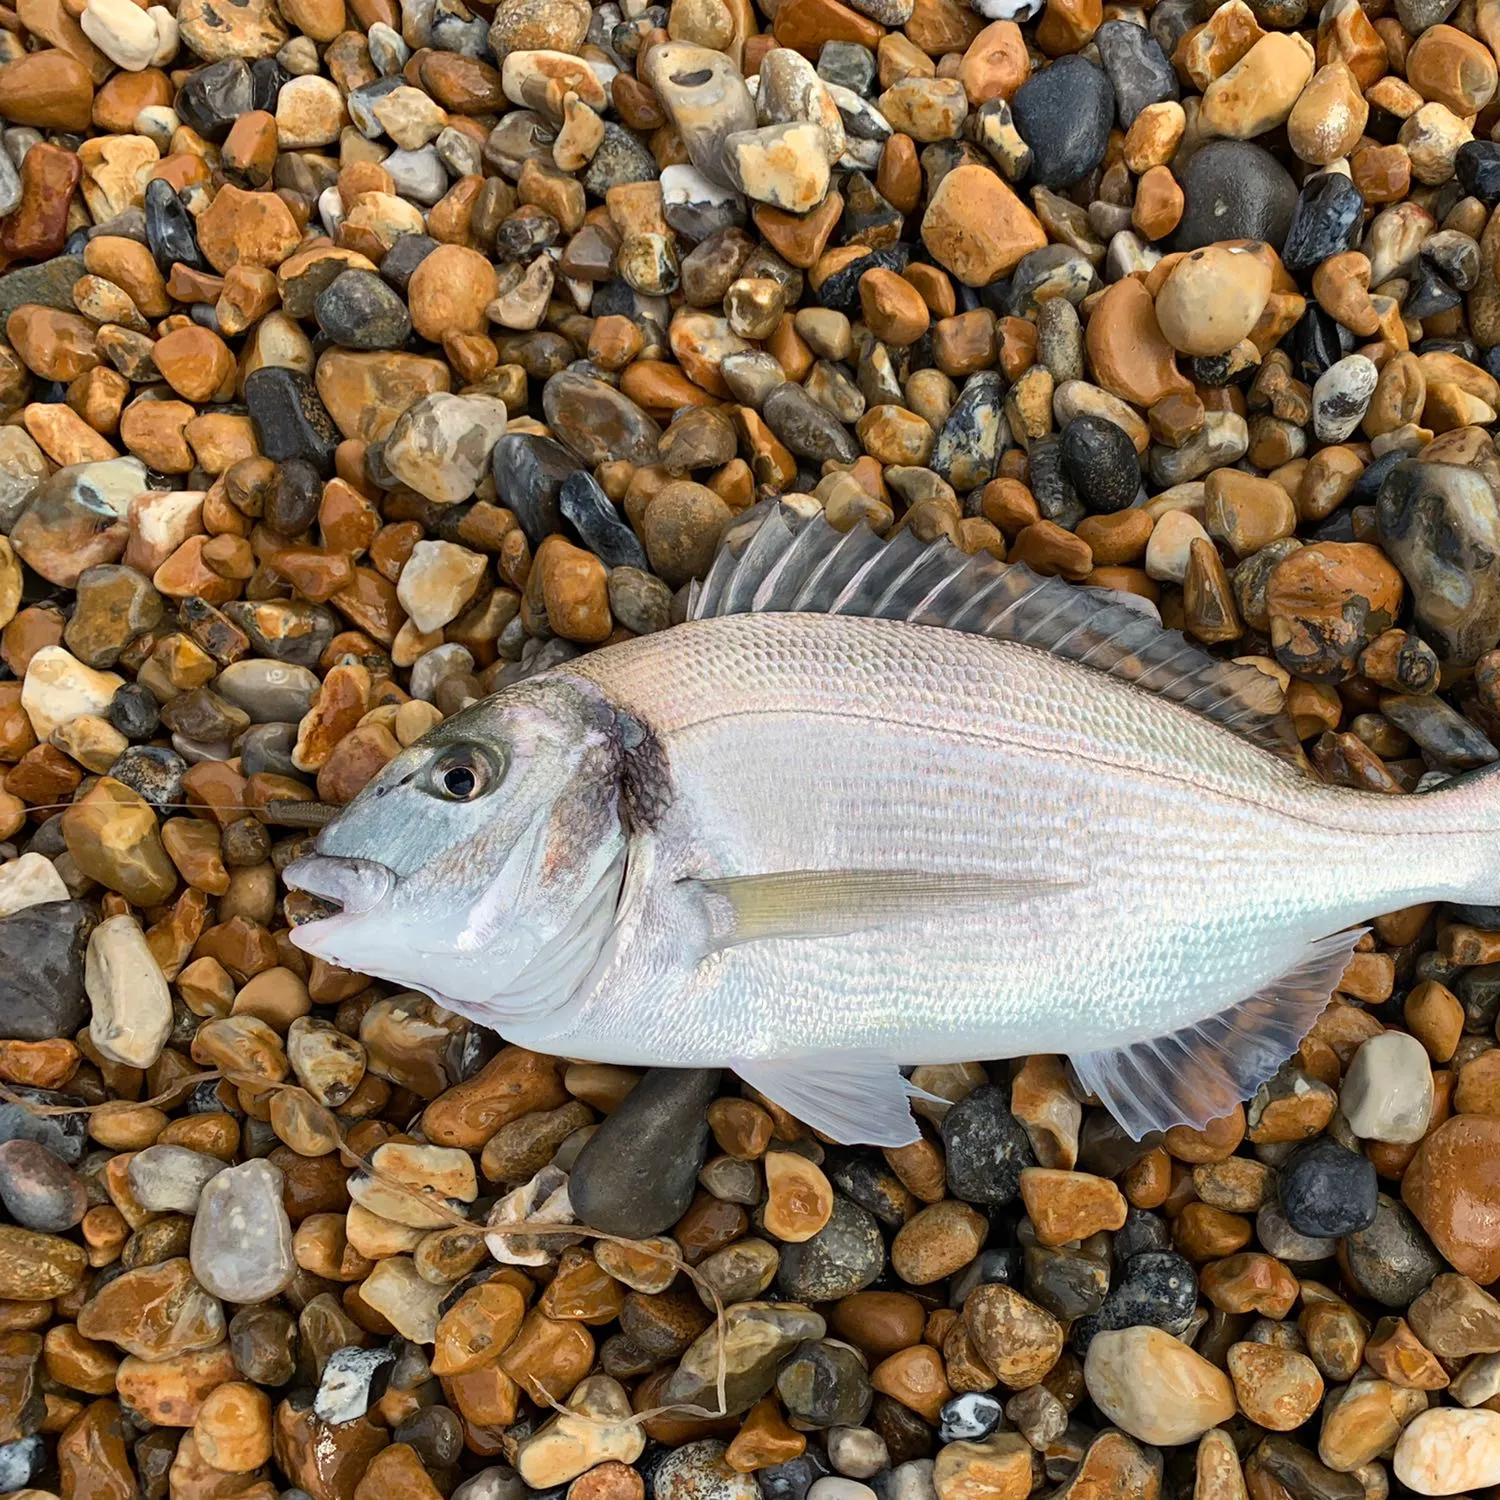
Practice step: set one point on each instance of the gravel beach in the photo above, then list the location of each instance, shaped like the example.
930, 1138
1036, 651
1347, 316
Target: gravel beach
362, 358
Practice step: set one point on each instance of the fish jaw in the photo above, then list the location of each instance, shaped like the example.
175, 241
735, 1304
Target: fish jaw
359, 887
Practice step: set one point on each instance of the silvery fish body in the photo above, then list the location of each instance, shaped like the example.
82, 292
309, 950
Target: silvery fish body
816, 847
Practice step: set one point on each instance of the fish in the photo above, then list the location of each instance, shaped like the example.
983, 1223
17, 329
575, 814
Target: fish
875, 804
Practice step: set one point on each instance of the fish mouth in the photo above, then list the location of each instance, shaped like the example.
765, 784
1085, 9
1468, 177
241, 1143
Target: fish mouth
341, 888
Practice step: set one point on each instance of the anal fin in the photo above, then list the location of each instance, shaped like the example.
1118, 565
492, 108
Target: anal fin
1200, 1073
855, 1098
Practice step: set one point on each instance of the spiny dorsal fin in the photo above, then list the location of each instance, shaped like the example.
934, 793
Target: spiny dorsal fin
777, 559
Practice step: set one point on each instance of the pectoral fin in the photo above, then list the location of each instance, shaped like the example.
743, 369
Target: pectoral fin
833, 903
1200, 1073
854, 1098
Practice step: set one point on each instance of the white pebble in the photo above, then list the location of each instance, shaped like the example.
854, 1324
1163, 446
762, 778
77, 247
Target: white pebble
132, 1005
1387, 1092
29, 881
1446, 1451
122, 31
58, 688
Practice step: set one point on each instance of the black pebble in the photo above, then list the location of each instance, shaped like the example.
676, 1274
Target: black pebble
292, 505
637, 1174
1477, 166
403, 258
1101, 461
41, 971
267, 79
1314, 344
1064, 113
529, 472
1051, 485
134, 712
1138, 68
1159, 1288
1327, 221
213, 98
1328, 1191
358, 310
600, 527
986, 1148
169, 229
1234, 190
290, 418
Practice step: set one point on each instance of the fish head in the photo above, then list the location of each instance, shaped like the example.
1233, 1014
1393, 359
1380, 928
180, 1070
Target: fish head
482, 865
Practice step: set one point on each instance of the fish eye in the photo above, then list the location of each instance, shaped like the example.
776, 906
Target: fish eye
461, 773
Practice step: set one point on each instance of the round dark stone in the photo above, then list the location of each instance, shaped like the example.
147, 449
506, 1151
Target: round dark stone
292, 505
64, 1135
1141, 1232
1158, 1288
134, 712
1064, 113
621, 158
1234, 190
1392, 1261
1477, 167
793, 1479
290, 418
1068, 1283
637, 1173
436, 1432
211, 99
842, 1258
529, 474
1101, 461
1327, 220
1138, 69
1328, 1191
39, 1190
263, 1344
986, 1148
41, 971
169, 229
849, 64
600, 526
359, 311
824, 1384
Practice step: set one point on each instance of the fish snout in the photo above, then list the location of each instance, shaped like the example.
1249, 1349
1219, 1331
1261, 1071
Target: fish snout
352, 886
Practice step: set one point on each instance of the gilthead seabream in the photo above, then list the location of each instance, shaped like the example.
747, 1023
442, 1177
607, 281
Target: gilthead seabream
878, 804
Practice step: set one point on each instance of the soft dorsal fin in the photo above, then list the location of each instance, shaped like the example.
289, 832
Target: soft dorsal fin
774, 559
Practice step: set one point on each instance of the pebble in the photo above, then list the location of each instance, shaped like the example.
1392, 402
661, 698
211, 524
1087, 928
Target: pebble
132, 1007
1154, 1387
1445, 1451
985, 1148
1327, 1191
1387, 1091
1064, 114
637, 1174
242, 1239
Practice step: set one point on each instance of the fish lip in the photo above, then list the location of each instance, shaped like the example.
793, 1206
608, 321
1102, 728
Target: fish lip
355, 886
